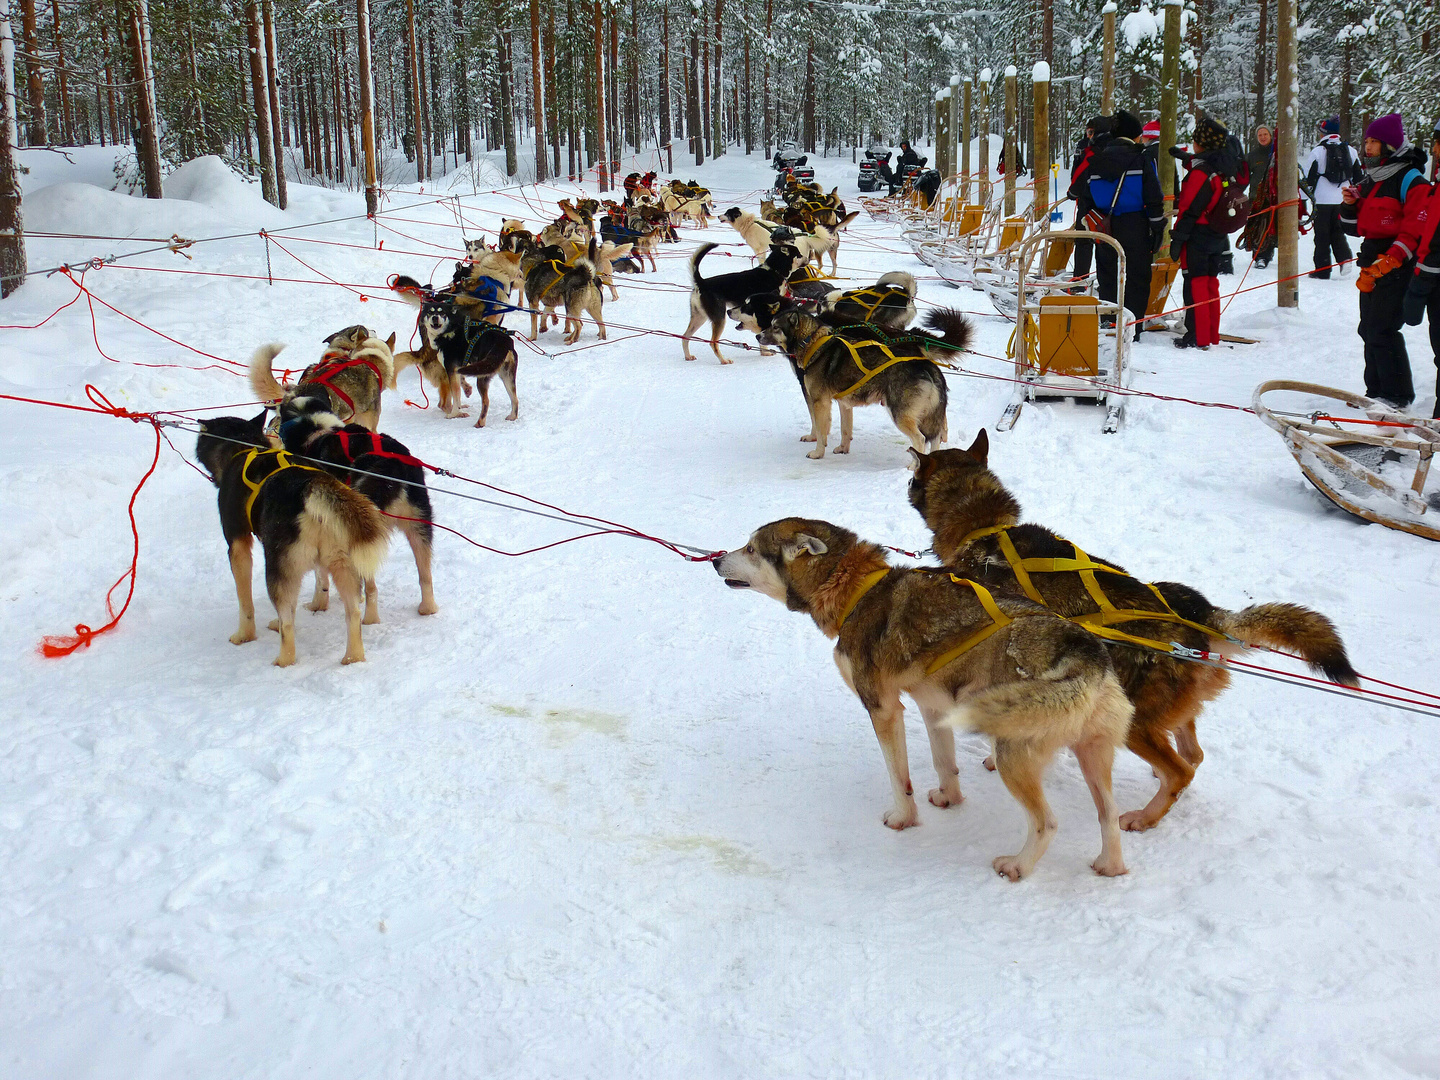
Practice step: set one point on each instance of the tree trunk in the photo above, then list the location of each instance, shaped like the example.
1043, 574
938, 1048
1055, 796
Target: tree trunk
260, 97
434, 103
113, 111
706, 117
665, 133
766, 122
422, 135
572, 148
537, 85
719, 122
412, 89
277, 123
147, 143
613, 111
320, 122
35, 134
809, 110
349, 113
367, 104
552, 90
67, 119
1261, 76
12, 222
342, 121
1346, 75
692, 95
302, 123
748, 121
507, 103
600, 155
1047, 31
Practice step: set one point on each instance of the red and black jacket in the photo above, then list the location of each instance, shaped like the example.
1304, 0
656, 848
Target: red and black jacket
1391, 216
1200, 193
1428, 257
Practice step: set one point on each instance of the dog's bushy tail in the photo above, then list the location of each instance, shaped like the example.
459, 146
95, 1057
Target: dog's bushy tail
262, 377
846, 221
1291, 628
953, 327
410, 290
352, 522
700, 253
1060, 707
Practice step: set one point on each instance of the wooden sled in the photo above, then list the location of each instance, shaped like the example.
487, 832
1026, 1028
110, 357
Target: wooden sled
1361, 463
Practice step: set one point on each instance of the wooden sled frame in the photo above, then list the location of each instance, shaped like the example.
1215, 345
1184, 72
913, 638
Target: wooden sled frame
1306, 438
1030, 294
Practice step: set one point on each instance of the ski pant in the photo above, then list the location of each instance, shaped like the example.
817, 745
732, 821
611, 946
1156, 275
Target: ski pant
1133, 233
1387, 364
1202, 308
1432, 318
1330, 244
1084, 252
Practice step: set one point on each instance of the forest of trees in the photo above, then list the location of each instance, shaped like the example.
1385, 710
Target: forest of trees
250, 79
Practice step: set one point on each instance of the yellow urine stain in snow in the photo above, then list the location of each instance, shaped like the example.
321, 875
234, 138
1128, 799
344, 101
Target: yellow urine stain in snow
510, 710
567, 723
723, 853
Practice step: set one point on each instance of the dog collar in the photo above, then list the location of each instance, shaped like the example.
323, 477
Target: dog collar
868, 582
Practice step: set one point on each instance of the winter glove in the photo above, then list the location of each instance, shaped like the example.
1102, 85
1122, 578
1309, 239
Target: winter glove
1177, 246
1157, 235
1417, 296
1376, 270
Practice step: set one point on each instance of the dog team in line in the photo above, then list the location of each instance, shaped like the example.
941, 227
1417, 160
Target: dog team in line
1019, 634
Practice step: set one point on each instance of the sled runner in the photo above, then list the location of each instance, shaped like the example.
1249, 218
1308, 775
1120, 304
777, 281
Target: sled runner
1059, 345
1375, 466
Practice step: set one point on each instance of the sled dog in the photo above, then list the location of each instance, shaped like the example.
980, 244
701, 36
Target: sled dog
355, 369
711, 298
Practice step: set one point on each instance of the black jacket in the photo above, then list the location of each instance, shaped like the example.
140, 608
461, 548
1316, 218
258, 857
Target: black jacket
908, 157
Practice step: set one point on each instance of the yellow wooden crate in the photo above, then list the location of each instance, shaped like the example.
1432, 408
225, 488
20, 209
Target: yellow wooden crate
1069, 336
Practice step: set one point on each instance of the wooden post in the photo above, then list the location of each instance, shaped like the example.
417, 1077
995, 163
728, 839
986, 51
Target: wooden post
1107, 62
1169, 95
1040, 143
983, 130
367, 104
1010, 147
952, 144
1287, 219
942, 131
966, 128
12, 225
600, 157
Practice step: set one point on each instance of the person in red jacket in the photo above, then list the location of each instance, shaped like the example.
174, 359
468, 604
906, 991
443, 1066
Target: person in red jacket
1422, 298
1197, 244
1389, 212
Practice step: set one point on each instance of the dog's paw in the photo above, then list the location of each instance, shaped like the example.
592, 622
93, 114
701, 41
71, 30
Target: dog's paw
429, 607
843, 448
284, 661
816, 454
273, 624
941, 797
370, 619
1136, 821
356, 657
808, 438
1008, 866
902, 819
480, 422
323, 604
240, 637
1113, 867
515, 415
989, 762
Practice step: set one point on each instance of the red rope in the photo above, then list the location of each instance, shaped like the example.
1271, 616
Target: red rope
65, 644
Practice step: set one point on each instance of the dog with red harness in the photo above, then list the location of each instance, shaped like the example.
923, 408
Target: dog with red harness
354, 371
374, 465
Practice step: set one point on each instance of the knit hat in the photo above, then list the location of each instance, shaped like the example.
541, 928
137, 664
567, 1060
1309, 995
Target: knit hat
1209, 133
1124, 125
1151, 130
1330, 126
1389, 130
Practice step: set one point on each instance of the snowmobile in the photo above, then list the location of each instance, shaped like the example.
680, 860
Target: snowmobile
789, 161
870, 168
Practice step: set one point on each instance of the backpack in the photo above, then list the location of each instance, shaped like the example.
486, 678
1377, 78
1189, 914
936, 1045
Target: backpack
1232, 206
1337, 162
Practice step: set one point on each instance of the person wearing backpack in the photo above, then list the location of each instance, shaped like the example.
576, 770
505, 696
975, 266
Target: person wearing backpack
1097, 130
1388, 211
1422, 297
1124, 188
1213, 202
1333, 164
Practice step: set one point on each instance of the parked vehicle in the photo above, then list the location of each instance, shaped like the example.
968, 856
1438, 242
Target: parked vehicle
789, 161
871, 173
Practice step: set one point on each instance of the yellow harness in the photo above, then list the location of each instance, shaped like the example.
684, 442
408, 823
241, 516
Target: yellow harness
255, 485
998, 619
1100, 622
819, 341
561, 269
868, 299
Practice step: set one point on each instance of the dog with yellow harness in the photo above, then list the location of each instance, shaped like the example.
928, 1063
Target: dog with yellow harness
863, 364
356, 368
304, 518
551, 283
974, 521
994, 663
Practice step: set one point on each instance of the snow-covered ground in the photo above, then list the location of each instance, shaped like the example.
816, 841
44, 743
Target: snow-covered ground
602, 817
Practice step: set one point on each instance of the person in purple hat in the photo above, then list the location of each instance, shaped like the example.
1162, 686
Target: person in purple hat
1332, 166
1388, 212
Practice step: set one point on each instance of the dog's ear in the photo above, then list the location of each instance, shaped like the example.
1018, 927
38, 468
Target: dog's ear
980, 448
390, 342
805, 544
925, 465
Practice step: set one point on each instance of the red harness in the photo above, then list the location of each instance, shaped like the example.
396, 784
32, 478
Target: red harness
331, 365
376, 448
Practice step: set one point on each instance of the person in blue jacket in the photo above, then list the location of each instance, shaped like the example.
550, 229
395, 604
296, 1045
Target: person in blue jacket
1125, 189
